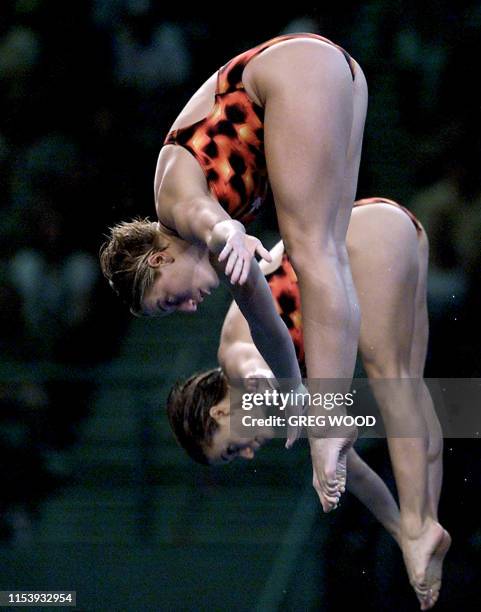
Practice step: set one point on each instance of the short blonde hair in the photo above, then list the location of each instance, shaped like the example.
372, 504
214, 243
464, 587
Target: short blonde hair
124, 260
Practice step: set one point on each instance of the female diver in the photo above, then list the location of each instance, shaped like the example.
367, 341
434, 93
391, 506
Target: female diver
390, 273
287, 115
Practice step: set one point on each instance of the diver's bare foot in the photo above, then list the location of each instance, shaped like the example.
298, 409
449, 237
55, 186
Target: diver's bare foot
435, 569
329, 467
424, 556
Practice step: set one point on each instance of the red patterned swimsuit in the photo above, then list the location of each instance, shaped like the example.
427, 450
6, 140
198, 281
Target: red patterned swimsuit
285, 290
229, 143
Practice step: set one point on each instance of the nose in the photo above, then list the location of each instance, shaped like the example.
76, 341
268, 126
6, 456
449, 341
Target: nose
247, 453
187, 306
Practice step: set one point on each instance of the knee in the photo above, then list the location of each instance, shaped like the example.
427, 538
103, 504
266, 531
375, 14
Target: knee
381, 365
385, 376
311, 255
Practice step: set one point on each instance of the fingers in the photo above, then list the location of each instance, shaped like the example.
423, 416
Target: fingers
231, 263
263, 252
293, 434
245, 272
296, 409
240, 256
240, 271
225, 251
292, 437
327, 486
328, 501
237, 271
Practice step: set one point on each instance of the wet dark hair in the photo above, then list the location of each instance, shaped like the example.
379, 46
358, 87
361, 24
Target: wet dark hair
188, 406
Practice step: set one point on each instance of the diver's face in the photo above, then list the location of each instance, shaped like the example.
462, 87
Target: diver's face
229, 441
227, 446
182, 284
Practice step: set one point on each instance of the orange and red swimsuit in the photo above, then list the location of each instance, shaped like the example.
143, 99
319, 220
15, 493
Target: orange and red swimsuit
285, 289
228, 144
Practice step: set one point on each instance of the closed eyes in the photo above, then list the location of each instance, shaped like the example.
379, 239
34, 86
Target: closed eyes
169, 303
230, 450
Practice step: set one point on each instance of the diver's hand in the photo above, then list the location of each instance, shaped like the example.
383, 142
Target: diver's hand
238, 248
239, 251
296, 409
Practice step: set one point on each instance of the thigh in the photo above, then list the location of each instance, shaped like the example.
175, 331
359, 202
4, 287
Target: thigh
383, 249
314, 119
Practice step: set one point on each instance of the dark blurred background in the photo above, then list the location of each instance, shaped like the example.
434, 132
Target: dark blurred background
95, 495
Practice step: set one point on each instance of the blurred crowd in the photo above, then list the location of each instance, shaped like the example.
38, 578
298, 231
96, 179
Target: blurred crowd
89, 90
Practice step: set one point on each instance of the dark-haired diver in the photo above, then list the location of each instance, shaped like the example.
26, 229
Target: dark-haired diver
388, 249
